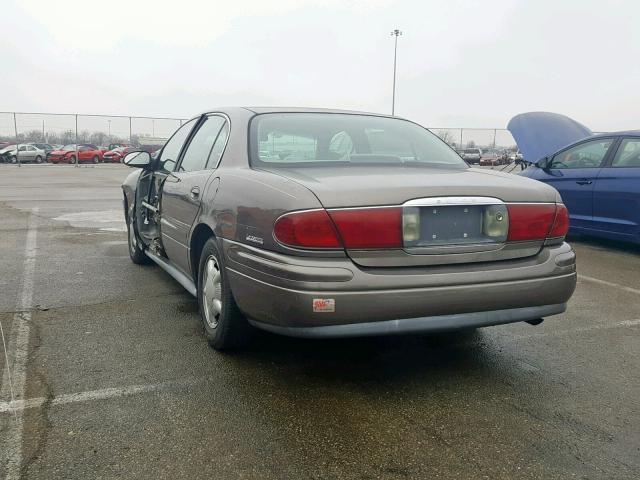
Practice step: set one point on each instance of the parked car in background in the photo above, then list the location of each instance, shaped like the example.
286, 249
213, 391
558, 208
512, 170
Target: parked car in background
25, 153
322, 223
472, 155
113, 146
491, 158
598, 176
43, 146
4, 157
117, 154
86, 153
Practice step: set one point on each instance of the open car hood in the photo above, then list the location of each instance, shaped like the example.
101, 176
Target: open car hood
540, 134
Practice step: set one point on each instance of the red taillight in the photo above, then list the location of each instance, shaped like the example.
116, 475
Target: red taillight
369, 227
348, 228
561, 223
537, 221
307, 229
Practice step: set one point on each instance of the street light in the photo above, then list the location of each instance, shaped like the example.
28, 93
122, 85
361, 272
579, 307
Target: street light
394, 33
109, 122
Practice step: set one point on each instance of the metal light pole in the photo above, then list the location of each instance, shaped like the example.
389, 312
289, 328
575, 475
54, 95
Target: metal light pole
109, 122
395, 33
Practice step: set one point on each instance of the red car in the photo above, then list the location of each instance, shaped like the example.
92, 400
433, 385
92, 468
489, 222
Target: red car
117, 154
87, 153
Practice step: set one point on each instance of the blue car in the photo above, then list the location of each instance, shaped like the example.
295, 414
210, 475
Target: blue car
598, 176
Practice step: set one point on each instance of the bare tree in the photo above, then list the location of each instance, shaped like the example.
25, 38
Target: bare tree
447, 137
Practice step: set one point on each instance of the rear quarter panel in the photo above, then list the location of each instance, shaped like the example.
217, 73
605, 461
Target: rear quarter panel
247, 202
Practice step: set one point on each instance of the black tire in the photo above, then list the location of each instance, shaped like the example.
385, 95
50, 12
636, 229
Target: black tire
13, 159
231, 329
72, 160
38, 159
96, 159
136, 253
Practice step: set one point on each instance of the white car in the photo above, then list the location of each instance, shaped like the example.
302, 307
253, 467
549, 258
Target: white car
472, 155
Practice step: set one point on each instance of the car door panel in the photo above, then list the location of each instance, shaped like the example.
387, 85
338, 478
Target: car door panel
573, 172
179, 206
576, 189
617, 193
183, 190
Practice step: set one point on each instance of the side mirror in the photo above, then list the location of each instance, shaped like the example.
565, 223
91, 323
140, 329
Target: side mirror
138, 160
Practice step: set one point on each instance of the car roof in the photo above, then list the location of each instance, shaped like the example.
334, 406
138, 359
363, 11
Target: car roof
261, 110
625, 133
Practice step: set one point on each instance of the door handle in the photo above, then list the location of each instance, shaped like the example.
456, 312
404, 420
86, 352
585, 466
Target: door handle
584, 182
195, 192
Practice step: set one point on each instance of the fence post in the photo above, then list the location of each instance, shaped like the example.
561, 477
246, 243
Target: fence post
15, 128
494, 138
461, 146
77, 162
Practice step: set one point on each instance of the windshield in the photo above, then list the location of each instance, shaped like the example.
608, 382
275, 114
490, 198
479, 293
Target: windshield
472, 150
68, 148
330, 139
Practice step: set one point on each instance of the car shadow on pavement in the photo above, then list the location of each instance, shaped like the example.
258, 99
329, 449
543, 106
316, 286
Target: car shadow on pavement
385, 359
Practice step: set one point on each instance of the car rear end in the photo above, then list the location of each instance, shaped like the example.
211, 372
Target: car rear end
397, 244
113, 156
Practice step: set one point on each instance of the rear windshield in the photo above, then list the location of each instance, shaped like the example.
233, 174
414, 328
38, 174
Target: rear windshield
330, 139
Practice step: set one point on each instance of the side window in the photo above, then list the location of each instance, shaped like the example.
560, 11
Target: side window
173, 147
628, 154
22, 148
197, 153
586, 155
218, 147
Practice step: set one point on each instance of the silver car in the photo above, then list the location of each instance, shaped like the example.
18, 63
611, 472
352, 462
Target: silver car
323, 223
26, 154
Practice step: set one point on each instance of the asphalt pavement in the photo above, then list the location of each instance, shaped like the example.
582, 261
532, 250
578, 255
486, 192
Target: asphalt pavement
112, 377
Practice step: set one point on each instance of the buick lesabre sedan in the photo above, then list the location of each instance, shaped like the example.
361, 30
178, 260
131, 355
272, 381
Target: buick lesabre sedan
322, 223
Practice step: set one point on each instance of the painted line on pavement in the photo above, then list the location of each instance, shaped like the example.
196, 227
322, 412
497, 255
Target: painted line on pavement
16, 370
94, 395
573, 331
608, 284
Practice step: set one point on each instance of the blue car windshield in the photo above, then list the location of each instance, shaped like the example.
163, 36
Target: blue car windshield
335, 139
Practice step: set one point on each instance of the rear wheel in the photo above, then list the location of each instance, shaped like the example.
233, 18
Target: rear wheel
72, 160
135, 247
14, 159
96, 159
38, 159
224, 325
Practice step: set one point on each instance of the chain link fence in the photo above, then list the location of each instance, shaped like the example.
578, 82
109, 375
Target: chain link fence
108, 131
102, 132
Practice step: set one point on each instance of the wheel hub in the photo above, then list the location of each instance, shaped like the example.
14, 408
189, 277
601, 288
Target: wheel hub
212, 291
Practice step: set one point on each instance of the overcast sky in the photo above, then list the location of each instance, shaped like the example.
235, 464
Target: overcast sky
460, 63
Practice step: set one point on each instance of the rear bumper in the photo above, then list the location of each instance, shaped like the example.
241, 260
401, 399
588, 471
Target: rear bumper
438, 323
277, 293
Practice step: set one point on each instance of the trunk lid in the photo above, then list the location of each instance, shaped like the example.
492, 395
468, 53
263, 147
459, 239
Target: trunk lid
376, 186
